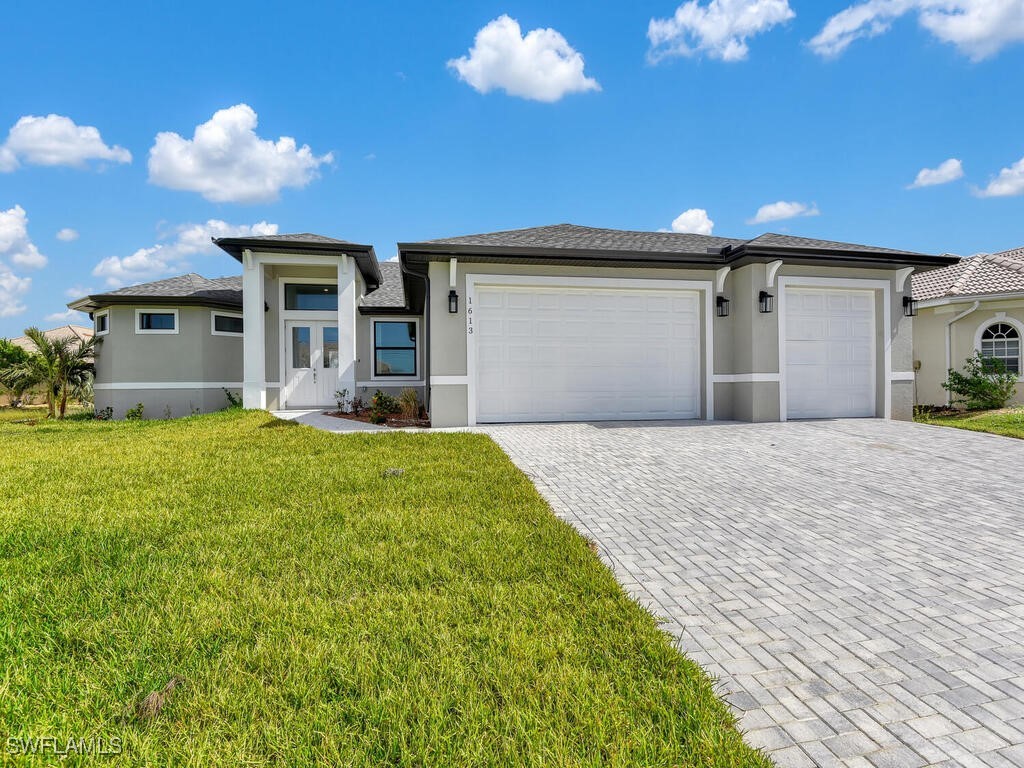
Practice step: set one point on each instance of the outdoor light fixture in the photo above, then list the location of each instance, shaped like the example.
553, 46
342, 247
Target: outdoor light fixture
722, 306
453, 301
909, 307
765, 302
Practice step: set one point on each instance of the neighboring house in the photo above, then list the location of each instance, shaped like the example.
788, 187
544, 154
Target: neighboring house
976, 304
543, 324
65, 331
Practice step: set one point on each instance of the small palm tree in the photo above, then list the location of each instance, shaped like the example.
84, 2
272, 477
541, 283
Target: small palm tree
63, 365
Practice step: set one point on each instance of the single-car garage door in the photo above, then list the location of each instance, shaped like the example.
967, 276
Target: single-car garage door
546, 353
830, 353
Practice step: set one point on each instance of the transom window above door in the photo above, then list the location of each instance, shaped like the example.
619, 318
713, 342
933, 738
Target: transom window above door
394, 348
1001, 341
310, 298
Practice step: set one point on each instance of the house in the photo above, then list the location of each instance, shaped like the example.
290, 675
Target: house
543, 324
973, 305
80, 332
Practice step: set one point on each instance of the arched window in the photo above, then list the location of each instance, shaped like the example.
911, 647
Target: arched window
1001, 341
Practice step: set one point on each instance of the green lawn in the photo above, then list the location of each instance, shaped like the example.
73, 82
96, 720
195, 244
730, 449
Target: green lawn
1009, 421
320, 611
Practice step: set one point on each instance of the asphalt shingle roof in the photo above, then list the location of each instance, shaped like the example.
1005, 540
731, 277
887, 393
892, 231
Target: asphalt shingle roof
186, 286
980, 275
295, 237
391, 293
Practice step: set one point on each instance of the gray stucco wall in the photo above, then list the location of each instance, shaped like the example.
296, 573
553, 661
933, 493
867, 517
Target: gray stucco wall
745, 343
194, 355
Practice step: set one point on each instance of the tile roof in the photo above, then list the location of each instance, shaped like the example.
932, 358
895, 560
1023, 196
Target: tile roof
62, 332
980, 275
573, 237
391, 293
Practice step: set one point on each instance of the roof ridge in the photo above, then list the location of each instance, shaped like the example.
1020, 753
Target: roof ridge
972, 265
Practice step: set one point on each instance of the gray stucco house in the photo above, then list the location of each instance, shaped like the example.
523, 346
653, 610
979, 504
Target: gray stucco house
543, 324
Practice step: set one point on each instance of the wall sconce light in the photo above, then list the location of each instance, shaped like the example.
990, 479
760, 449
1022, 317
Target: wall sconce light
909, 307
721, 306
453, 301
765, 302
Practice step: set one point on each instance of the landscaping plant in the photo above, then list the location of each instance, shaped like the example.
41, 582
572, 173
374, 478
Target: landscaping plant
64, 366
984, 383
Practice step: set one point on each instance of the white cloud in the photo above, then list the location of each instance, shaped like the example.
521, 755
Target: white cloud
67, 234
56, 140
171, 257
1009, 182
67, 316
15, 244
12, 289
226, 162
541, 66
948, 170
978, 28
783, 210
77, 291
720, 29
694, 220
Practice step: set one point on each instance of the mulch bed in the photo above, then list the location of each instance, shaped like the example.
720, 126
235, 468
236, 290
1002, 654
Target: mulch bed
392, 420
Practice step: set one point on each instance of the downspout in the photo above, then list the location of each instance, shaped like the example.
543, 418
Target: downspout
949, 339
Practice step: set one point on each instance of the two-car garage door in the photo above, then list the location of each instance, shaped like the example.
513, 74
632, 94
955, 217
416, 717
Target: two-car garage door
556, 353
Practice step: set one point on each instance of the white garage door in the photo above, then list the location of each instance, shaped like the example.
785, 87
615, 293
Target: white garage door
830, 353
573, 354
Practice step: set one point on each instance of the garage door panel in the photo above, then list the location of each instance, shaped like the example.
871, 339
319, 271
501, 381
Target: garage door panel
586, 353
830, 353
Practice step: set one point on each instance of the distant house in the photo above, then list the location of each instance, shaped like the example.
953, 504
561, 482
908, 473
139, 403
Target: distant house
554, 323
974, 305
76, 331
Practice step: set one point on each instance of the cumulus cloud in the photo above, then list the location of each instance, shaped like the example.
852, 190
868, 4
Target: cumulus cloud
15, 244
1009, 182
67, 234
12, 290
694, 220
56, 140
947, 171
978, 28
77, 291
719, 29
172, 257
67, 316
226, 162
783, 210
541, 66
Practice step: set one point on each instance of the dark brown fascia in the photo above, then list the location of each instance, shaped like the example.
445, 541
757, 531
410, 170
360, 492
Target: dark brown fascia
364, 255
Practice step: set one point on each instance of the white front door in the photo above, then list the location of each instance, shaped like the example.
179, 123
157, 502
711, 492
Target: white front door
830, 353
311, 363
569, 353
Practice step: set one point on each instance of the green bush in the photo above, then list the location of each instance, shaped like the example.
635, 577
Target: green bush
984, 384
409, 403
135, 414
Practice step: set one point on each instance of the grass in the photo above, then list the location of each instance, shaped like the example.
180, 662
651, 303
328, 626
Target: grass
320, 610
1007, 421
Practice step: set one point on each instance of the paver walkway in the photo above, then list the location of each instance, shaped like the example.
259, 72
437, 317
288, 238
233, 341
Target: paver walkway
857, 586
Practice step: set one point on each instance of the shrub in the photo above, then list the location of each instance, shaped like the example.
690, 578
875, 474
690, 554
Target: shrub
343, 400
385, 403
234, 401
409, 403
984, 383
135, 414
104, 414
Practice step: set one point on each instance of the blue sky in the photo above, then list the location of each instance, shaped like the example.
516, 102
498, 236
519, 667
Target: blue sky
721, 107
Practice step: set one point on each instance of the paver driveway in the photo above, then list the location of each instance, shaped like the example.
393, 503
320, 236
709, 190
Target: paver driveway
858, 586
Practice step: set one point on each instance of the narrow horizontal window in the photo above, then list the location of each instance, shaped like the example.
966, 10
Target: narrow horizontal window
227, 324
156, 321
394, 348
318, 298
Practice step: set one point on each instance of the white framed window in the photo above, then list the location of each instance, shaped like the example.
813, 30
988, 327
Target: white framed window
1001, 341
101, 322
226, 324
395, 349
156, 321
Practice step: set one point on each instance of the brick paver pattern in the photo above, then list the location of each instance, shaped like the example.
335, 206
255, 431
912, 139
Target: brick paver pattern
857, 586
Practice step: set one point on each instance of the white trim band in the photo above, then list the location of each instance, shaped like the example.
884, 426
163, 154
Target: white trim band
746, 378
121, 385
448, 380
902, 376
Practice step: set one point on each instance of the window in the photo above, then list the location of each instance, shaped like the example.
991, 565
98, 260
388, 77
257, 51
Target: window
156, 321
394, 348
226, 325
316, 298
1001, 341
101, 322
